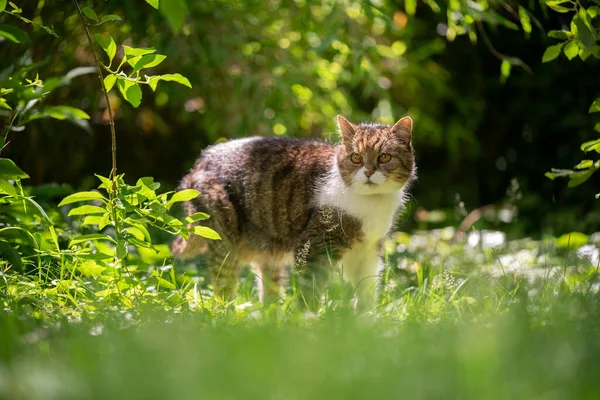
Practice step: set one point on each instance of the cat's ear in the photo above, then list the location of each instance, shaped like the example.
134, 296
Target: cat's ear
347, 129
403, 127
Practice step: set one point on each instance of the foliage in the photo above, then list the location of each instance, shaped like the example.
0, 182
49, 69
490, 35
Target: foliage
21, 98
137, 58
583, 40
127, 210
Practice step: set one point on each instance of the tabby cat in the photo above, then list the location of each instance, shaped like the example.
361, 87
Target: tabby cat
309, 205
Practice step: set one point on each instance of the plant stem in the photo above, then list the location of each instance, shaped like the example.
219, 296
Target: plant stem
113, 172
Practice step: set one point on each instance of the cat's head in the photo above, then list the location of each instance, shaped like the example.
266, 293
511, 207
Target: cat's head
376, 158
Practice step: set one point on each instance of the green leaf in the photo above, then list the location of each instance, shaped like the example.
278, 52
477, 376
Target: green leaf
577, 178
584, 54
160, 210
175, 12
571, 50
2, 5
584, 30
130, 91
109, 18
4, 105
410, 6
92, 220
88, 12
148, 182
140, 226
108, 45
54, 237
122, 250
591, 145
597, 127
140, 243
199, 216
585, 18
91, 237
13, 33
184, 195
147, 187
572, 240
39, 208
153, 80
86, 210
552, 52
7, 188
10, 171
584, 164
91, 268
595, 107
563, 35
96, 256
505, 68
153, 3
525, 21
165, 284
82, 196
109, 82
556, 6
106, 183
138, 51
61, 113
134, 232
593, 11
550, 175
146, 61
206, 232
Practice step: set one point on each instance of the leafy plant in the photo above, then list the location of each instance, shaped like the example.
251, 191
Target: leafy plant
21, 98
129, 211
137, 60
15, 234
117, 220
583, 40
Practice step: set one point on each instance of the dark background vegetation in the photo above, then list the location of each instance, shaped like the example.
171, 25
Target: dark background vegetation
288, 67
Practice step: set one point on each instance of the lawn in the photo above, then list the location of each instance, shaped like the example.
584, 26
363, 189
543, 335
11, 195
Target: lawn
482, 318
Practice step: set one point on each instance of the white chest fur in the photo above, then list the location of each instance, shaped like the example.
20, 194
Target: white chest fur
375, 211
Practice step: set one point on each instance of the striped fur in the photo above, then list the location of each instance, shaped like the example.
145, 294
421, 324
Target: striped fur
280, 203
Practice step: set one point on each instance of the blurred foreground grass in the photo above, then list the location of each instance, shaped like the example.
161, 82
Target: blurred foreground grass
486, 319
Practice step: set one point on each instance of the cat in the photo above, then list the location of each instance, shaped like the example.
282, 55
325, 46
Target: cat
305, 204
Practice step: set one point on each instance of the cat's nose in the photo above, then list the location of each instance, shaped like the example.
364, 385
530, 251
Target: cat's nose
369, 173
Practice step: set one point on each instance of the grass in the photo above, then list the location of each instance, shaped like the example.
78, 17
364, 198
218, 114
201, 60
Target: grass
516, 319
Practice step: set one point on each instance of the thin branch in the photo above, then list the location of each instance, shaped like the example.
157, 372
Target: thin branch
497, 54
113, 172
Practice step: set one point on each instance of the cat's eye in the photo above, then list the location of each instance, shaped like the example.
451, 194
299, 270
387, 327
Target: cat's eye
384, 158
356, 158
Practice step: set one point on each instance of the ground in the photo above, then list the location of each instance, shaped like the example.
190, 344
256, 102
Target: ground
482, 318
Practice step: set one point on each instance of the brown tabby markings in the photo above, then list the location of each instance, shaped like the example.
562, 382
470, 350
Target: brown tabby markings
265, 197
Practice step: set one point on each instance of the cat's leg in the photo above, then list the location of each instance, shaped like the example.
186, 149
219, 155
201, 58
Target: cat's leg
270, 280
224, 271
361, 266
